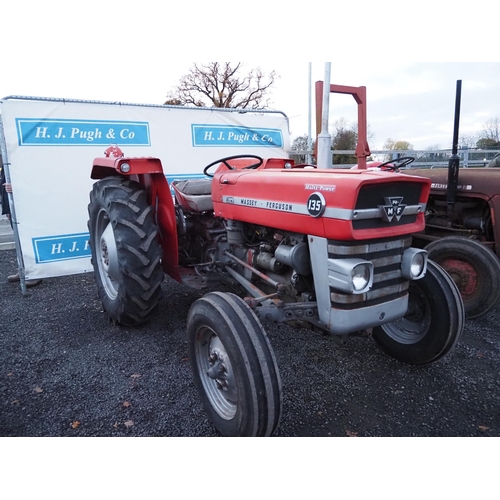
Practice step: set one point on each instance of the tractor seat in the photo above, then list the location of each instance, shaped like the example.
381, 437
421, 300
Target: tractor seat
194, 194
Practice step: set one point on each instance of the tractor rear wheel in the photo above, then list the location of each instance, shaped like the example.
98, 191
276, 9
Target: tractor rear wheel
234, 367
433, 323
474, 268
126, 253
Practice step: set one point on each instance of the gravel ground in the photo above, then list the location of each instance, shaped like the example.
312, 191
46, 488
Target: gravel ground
66, 371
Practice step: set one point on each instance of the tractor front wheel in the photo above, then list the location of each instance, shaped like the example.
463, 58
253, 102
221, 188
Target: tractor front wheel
433, 323
234, 367
126, 253
474, 268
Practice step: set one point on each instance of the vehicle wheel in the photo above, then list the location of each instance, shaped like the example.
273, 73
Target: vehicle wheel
234, 367
474, 268
126, 253
433, 323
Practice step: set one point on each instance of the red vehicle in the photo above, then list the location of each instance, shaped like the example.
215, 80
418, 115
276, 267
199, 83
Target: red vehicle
328, 249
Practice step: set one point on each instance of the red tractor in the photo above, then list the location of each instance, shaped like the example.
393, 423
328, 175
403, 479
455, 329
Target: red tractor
329, 249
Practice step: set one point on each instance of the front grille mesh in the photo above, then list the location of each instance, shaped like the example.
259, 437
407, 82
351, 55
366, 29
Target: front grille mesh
373, 196
386, 256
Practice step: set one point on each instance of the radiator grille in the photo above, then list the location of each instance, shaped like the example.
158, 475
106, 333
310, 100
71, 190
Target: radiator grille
386, 256
373, 196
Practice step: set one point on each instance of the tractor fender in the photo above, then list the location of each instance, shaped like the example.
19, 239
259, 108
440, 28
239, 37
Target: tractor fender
126, 166
115, 162
148, 171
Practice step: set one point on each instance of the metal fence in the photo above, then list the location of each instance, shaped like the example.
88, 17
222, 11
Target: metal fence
469, 158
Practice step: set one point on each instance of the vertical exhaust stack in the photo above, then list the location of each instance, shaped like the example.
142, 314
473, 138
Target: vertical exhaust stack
454, 163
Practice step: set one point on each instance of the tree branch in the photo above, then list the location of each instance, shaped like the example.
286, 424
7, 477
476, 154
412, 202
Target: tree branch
221, 85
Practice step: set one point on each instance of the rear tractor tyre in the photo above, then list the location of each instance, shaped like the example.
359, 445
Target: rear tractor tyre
234, 367
126, 253
433, 323
474, 268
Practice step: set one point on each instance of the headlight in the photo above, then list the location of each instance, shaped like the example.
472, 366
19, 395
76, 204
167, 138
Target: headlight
350, 275
360, 277
414, 264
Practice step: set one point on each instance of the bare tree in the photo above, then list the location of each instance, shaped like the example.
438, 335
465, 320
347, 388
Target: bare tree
223, 85
300, 143
491, 130
468, 141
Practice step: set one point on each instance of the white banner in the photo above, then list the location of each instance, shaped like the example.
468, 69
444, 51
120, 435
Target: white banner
50, 145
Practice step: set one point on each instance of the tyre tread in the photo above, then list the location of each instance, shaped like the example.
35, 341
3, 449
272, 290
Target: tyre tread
442, 334
257, 360
139, 251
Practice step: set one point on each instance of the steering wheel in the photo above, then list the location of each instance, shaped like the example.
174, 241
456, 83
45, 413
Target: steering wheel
400, 163
230, 167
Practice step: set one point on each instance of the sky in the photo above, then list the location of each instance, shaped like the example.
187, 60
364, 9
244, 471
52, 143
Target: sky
414, 102
135, 52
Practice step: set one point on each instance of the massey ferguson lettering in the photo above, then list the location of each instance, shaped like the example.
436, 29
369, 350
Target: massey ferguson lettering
276, 205
248, 203
265, 204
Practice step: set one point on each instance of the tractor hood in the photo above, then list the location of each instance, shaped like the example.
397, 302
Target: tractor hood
331, 203
484, 182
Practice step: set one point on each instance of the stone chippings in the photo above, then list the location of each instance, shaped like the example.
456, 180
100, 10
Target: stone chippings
65, 370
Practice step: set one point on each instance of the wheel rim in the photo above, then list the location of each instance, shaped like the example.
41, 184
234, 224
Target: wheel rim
464, 275
216, 373
106, 254
413, 327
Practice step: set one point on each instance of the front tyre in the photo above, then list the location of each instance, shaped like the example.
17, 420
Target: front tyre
126, 253
433, 323
234, 367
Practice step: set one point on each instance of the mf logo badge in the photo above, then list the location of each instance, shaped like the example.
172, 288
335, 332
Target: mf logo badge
393, 208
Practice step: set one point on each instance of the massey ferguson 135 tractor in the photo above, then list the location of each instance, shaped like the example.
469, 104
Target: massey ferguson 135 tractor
329, 249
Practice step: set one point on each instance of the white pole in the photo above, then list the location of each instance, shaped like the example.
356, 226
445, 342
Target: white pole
324, 138
309, 139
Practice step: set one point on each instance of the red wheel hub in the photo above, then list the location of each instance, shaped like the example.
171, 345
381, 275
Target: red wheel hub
463, 274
